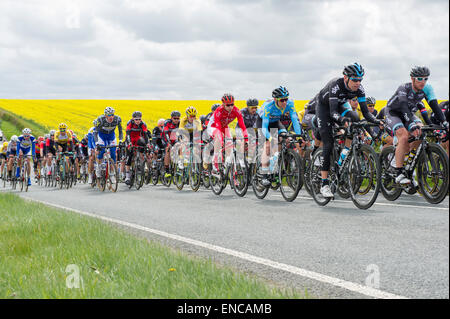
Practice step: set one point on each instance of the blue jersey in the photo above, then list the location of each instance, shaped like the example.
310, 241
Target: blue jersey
25, 144
90, 137
269, 112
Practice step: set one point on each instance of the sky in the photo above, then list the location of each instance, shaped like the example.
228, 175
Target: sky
200, 49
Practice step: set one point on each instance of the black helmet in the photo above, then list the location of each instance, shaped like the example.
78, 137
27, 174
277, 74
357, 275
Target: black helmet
175, 114
252, 102
202, 118
214, 107
419, 71
280, 92
354, 70
370, 100
137, 114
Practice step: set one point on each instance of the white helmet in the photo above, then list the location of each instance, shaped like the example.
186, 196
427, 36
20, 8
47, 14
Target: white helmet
26, 131
161, 121
109, 111
14, 138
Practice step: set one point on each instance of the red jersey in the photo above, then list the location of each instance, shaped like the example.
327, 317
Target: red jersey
221, 118
167, 135
136, 131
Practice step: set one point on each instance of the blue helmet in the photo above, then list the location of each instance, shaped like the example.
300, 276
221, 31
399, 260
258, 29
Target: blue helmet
354, 70
280, 92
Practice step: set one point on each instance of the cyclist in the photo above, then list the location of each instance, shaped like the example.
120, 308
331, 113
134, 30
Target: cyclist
3, 150
190, 127
335, 94
104, 134
11, 153
207, 118
64, 141
169, 138
26, 146
218, 128
401, 119
269, 116
136, 135
38, 161
158, 144
91, 151
445, 110
50, 151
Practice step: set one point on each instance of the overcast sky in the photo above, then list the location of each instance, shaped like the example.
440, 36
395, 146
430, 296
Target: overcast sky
199, 49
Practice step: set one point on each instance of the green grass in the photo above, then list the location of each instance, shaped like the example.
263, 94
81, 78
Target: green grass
9, 129
38, 243
16, 124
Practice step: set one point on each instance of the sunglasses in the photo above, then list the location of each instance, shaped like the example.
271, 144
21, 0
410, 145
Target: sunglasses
137, 119
356, 79
421, 79
109, 115
283, 100
192, 116
228, 105
175, 118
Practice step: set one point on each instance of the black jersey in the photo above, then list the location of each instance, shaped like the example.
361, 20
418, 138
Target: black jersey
249, 119
104, 127
336, 93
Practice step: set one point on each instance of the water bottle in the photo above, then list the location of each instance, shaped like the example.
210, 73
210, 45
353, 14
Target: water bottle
411, 156
273, 162
344, 154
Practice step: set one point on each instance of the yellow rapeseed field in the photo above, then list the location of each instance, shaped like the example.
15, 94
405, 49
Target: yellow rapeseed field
79, 114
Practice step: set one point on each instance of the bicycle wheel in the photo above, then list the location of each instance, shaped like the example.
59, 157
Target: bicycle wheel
206, 173
113, 176
433, 173
178, 177
290, 175
239, 178
364, 177
259, 189
167, 180
139, 173
68, 175
218, 181
195, 176
315, 178
389, 189
306, 167
155, 176
26, 176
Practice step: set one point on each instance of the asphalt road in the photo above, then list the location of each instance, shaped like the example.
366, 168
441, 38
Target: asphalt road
398, 247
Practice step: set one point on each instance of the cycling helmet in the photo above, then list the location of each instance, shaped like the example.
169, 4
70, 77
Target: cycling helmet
62, 126
5, 144
14, 138
419, 71
52, 132
227, 98
191, 111
280, 92
202, 118
137, 114
109, 111
161, 122
26, 131
46, 136
175, 114
40, 138
370, 100
252, 102
354, 70
214, 107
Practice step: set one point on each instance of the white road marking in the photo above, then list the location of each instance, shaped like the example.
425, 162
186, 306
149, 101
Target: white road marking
364, 290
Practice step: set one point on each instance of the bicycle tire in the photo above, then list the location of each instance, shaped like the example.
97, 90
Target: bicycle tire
389, 189
316, 179
290, 174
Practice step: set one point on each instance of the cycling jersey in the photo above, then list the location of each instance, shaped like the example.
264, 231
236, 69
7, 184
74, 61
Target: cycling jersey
63, 137
249, 119
3, 149
135, 132
269, 113
445, 110
221, 118
169, 128
103, 127
12, 148
405, 100
196, 125
157, 138
336, 93
26, 145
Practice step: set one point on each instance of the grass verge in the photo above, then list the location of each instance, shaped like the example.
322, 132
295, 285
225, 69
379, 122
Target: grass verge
15, 123
47, 253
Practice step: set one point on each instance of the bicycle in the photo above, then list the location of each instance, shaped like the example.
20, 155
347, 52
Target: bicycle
137, 168
108, 171
24, 175
431, 163
358, 176
64, 170
285, 171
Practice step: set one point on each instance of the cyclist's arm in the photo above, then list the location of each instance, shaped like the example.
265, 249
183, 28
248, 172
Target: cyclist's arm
119, 126
365, 111
295, 121
242, 124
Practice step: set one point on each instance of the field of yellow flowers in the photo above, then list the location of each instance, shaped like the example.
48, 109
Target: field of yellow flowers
79, 114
